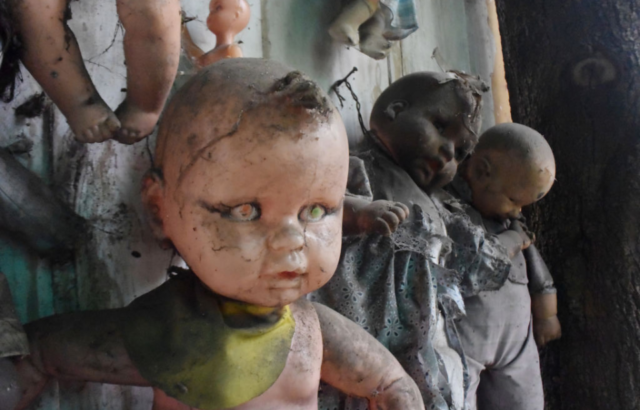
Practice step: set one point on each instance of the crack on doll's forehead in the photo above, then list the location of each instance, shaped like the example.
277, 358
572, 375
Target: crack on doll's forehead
199, 154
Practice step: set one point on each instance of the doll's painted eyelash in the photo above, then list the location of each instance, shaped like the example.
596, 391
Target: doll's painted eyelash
246, 212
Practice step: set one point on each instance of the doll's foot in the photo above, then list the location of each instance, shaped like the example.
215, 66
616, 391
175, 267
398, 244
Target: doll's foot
344, 33
93, 123
136, 123
345, 28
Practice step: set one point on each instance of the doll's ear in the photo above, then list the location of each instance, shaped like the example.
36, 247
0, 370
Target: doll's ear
482, 169
152, 200
395, 108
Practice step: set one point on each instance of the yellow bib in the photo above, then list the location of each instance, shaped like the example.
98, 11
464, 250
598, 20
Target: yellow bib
204, 350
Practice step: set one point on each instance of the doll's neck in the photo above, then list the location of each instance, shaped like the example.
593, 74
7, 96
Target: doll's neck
224, 39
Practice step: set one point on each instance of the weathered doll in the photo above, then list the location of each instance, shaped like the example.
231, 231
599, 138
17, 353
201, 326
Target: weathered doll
151, 48
402, 286
251, 168
227, 18
512, 166
373, 24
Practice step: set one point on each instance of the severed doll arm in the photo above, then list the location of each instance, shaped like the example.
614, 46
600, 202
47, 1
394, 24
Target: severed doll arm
357, 364
86, 346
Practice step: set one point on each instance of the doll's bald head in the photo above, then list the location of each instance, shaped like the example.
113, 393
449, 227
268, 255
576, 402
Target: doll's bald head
511, 167
236, 93
252, 168
428, 122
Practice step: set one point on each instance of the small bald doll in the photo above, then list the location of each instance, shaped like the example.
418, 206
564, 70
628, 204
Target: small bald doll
511, 167
151, 48
252, 162
227, 18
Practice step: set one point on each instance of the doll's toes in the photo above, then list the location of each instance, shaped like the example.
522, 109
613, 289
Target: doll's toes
91, 134
128, 136
345, 34
105, 131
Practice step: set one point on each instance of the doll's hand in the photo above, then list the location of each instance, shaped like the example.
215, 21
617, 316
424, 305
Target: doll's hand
546, 330
382, 217
526, 236
403, 394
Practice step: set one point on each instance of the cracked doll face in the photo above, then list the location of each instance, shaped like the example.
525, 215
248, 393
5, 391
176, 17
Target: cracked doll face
258, 215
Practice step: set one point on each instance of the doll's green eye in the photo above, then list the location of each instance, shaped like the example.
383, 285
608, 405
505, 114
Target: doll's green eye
243, 213
313, 213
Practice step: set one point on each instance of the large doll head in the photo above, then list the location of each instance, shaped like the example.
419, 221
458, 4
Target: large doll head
512, 167
252, 163
228, 16
428, 122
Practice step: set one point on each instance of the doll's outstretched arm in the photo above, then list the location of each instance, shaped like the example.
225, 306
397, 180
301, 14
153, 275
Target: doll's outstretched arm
85, 346
51, 54
357, 364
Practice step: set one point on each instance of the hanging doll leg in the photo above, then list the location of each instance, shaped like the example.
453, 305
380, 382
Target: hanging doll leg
52, 56
345, 27
152, 51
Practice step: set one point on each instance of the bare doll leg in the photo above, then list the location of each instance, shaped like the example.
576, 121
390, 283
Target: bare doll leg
345, 27
152, 51
52, 56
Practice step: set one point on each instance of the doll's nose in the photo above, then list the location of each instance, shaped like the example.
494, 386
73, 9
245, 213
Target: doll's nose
447, 150
287, 237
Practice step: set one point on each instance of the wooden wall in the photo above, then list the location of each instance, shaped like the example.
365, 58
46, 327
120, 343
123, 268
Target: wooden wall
101, 182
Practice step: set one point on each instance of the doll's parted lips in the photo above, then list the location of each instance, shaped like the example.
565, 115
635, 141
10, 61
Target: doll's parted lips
288, 275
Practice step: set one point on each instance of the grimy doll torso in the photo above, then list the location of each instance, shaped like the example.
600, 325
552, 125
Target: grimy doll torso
297, 386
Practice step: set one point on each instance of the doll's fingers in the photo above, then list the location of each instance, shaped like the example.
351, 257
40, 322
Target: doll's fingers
401, 210
381, 227
398, 212
392, 220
